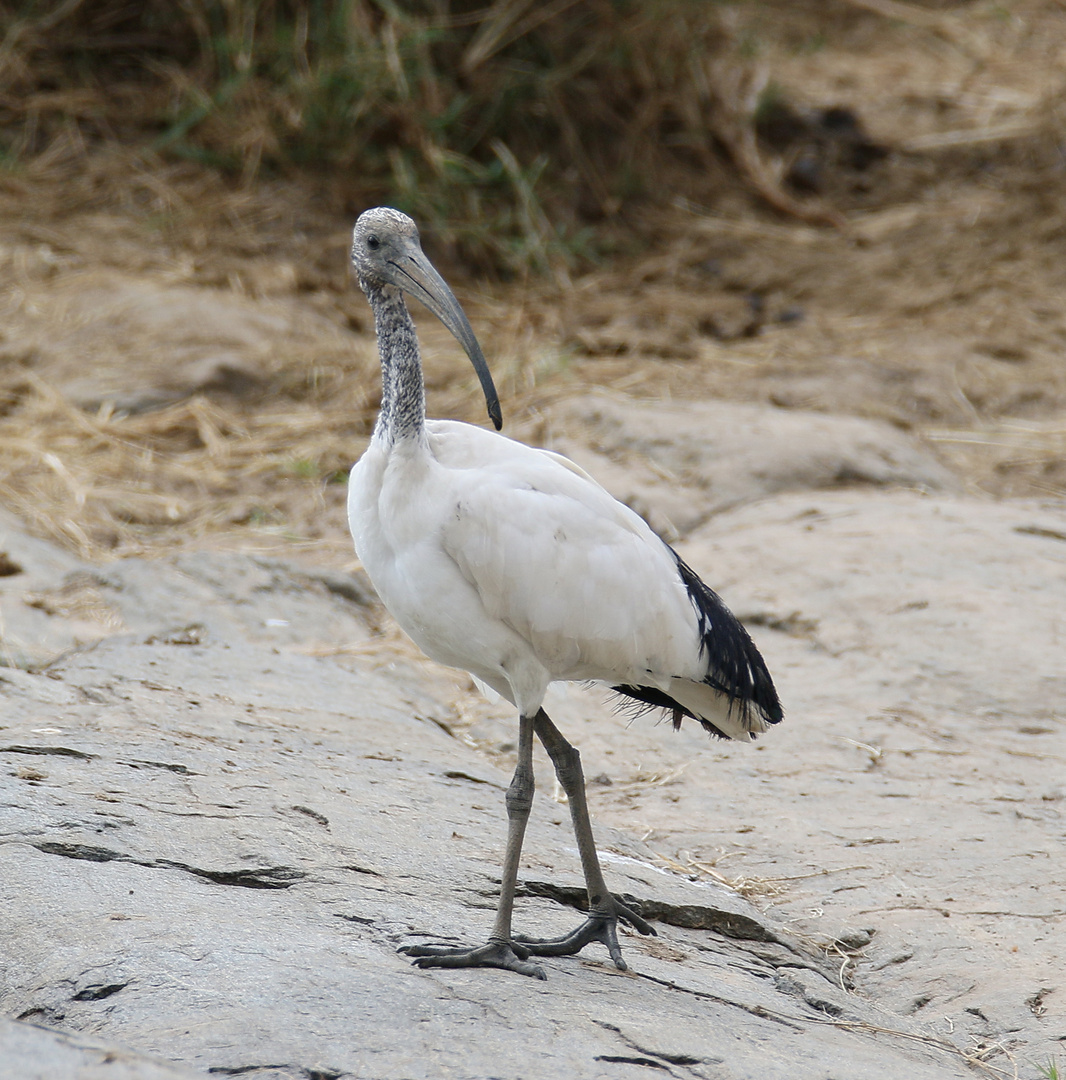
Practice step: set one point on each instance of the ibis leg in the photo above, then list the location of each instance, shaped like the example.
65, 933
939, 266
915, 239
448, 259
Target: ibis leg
500, 951
604, 909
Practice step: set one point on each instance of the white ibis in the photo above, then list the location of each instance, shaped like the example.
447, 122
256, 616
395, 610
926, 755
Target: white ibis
513, 564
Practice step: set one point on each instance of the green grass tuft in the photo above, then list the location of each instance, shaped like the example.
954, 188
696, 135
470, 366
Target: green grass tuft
486, 119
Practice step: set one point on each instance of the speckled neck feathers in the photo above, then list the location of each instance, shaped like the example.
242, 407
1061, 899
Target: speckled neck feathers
403, 398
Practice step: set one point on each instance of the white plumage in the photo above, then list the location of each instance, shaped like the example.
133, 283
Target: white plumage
515, 565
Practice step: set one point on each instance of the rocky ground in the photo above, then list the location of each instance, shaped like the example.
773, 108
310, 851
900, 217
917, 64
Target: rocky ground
228, 798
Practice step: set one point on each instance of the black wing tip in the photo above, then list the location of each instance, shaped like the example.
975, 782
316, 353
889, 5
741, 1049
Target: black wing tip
736, 667
645, 699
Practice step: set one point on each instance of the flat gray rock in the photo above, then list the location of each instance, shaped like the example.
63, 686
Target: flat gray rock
916, 786
135, 343
717, 455
29, 632
212, 846
52, 602
33, 1052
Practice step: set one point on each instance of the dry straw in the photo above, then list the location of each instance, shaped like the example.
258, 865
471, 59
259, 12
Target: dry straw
159, 140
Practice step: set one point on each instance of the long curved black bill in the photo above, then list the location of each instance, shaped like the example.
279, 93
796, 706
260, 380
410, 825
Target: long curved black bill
416, 275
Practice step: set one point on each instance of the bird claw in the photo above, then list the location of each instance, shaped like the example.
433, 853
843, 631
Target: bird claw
597, 927
642, 926
498, 954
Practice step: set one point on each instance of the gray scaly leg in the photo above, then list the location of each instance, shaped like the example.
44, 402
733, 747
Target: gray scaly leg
500, 950
604, 909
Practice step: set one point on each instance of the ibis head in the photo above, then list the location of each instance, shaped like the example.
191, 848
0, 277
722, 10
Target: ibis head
386, 251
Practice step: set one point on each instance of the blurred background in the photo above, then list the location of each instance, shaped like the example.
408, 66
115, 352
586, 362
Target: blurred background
847, 206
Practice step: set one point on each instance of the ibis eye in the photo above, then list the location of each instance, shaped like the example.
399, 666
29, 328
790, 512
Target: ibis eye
373, 243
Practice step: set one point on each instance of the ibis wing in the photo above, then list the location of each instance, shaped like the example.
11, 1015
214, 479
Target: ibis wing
572, 571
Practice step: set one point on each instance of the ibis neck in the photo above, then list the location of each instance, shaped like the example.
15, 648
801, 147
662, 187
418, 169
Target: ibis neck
403, 396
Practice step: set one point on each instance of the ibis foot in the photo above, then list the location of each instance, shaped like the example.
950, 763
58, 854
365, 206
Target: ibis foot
497, 954
597, 927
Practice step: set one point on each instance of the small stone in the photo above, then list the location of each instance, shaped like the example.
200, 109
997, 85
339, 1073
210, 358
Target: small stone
855, 939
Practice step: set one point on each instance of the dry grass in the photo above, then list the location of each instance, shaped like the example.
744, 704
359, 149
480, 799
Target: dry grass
265, 464
105, 484
1024, 457
937, 307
